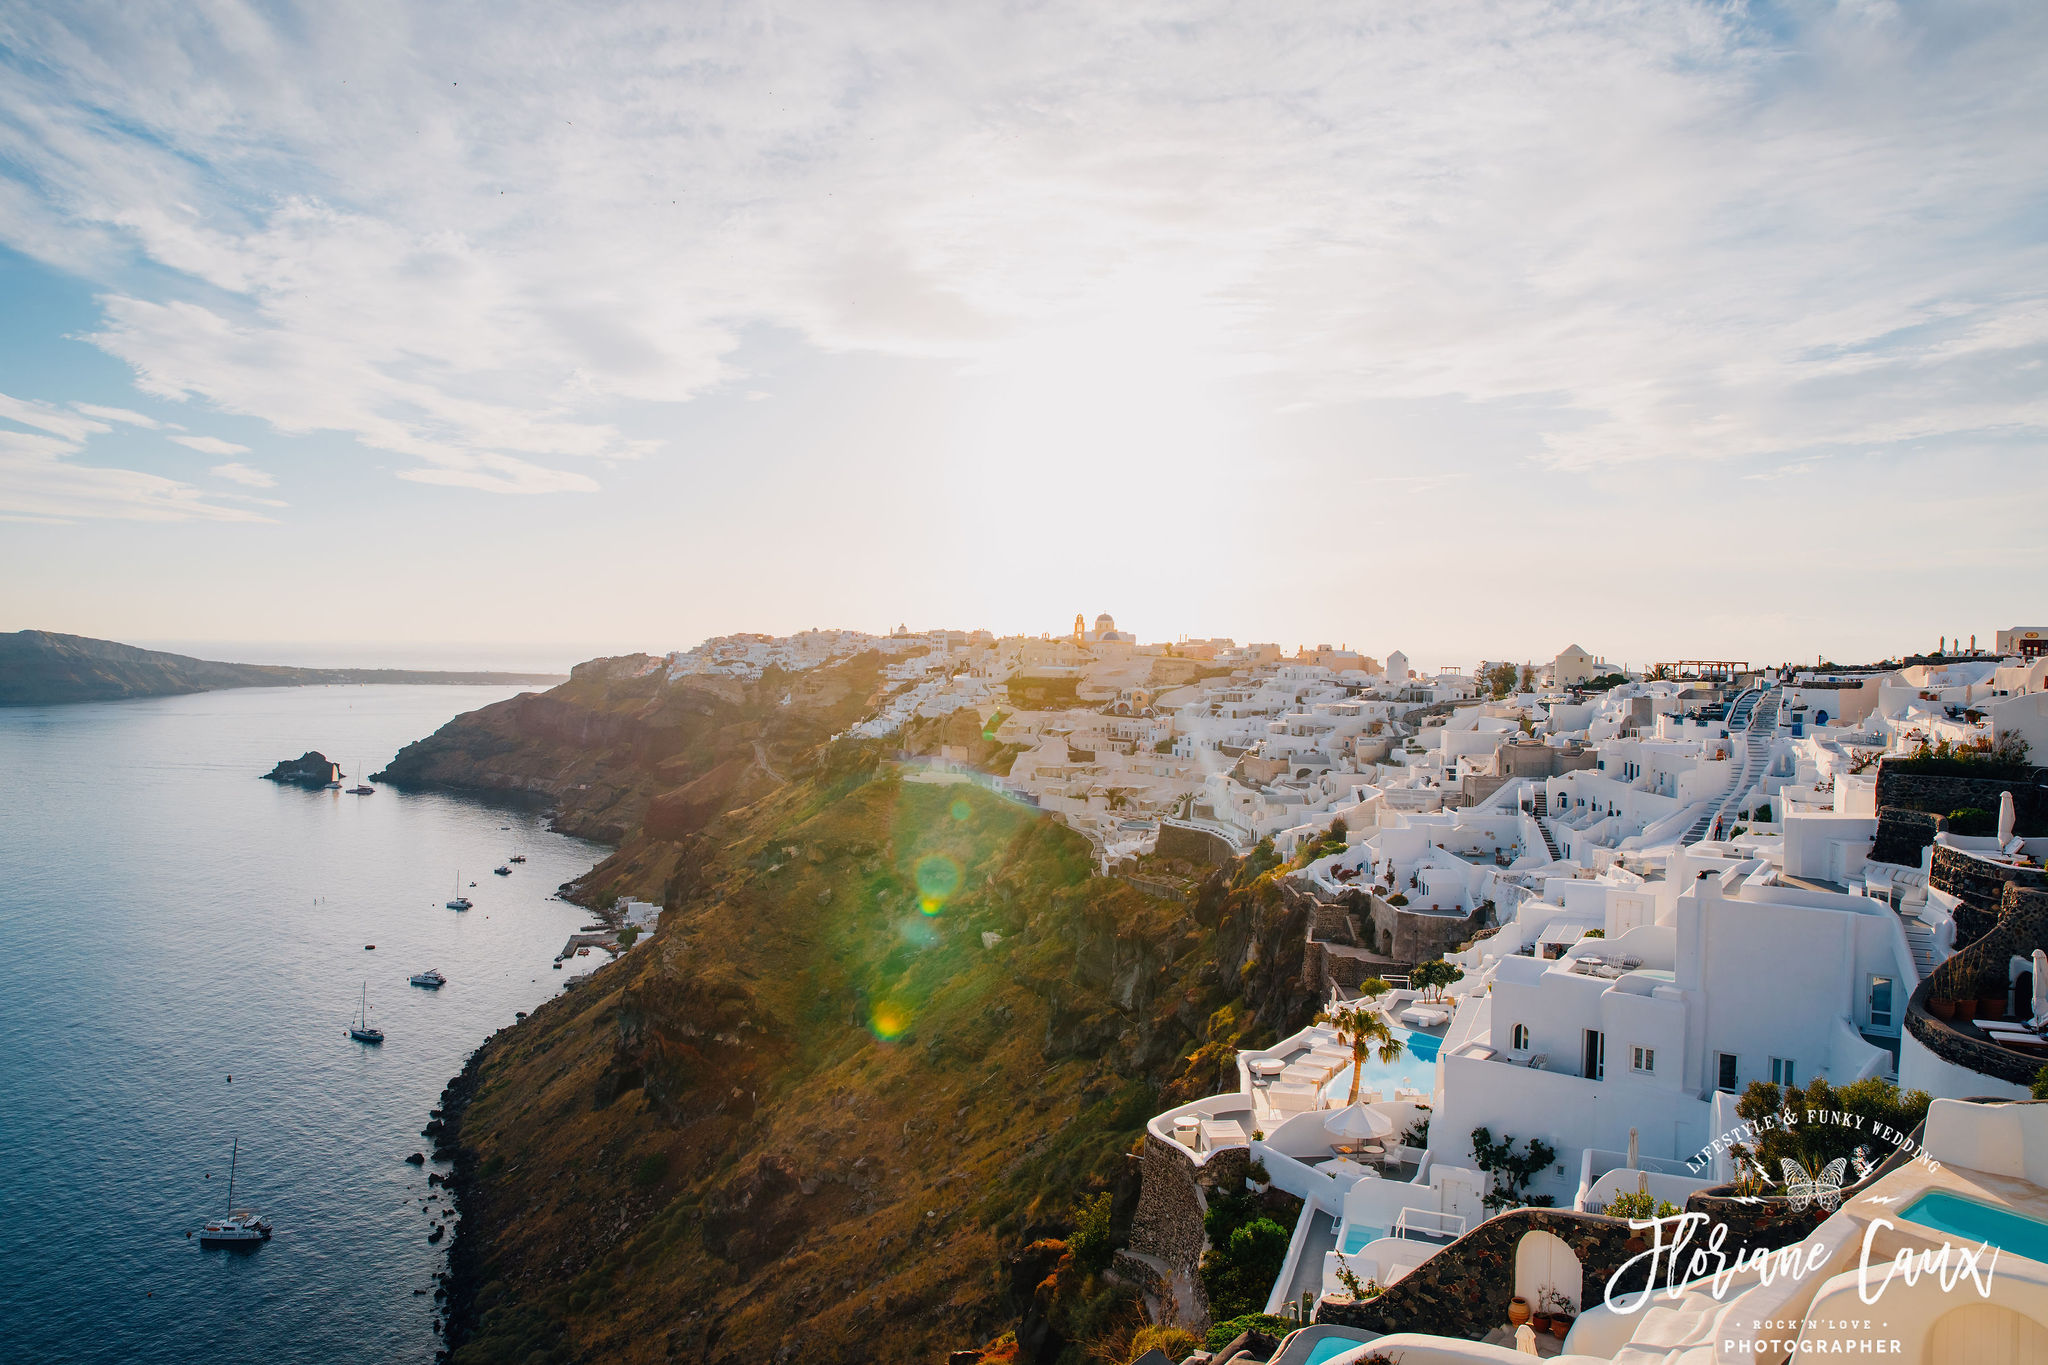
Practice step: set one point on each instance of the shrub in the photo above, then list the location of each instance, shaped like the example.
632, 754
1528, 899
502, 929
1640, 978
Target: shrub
651, 1169
1640, 1203
1090, 1243
1174, 1342
1814, 1145
1221, 1334
1972, 822
1511, 1170
1398, 898
1239, 1275
1596, 933
2039, 1090
1763, 813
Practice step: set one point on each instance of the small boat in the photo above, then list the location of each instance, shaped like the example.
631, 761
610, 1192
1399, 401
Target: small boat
362, 788
460, 901
360, 1030
502, 871
369, 947
583, 952
241, 1227
429, 978
519, 857
334, 786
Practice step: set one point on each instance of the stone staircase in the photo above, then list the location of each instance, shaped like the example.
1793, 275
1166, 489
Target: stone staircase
1541, 810
1920, 939
1755, 717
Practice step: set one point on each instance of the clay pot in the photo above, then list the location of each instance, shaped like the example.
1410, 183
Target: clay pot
1541, 1322
1942, 1009
1560, 1326
1991, 1007
1518, 1311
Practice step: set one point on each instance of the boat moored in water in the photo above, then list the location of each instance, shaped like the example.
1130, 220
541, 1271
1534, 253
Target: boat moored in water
502, 871
360, 1030
239, 1227
459, 901
429, 978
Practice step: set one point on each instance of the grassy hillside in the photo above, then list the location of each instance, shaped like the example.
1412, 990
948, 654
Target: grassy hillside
821, 1117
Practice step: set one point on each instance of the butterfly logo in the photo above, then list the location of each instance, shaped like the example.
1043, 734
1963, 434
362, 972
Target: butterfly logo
1823, 1190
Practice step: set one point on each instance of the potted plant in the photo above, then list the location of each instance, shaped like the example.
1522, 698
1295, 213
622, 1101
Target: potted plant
1257, 1177
1942, 1008
1539, 1312
1560, 1308
1518, 1311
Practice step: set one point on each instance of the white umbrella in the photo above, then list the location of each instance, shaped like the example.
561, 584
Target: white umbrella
1631, 1149
2005, 818
1356, 1122
2040, 989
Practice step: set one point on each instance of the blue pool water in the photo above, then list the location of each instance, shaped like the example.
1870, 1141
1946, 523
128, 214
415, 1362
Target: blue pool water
1417, 1063
1329, 1348
1356, 1238
2004, 1229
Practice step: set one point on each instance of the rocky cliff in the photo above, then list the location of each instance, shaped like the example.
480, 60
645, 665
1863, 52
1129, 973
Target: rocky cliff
887, 1035
44, 668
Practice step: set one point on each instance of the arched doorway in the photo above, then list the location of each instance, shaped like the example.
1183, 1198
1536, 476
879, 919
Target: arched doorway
1543, 1261
1985, 1334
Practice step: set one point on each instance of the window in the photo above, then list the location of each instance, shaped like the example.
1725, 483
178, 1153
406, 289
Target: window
1880, 1002
1781, 1072
1595, 1060
1727, 1078
1643, 1059
1518, 1038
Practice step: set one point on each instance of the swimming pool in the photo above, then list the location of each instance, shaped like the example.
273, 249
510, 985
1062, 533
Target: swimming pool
2004, 1229
1356, 1238
1328, 1349
1416, 1067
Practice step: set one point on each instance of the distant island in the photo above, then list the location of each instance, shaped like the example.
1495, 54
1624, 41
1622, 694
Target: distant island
44, 668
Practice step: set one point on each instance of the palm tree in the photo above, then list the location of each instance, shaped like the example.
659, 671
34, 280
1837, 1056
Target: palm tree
1364, 1030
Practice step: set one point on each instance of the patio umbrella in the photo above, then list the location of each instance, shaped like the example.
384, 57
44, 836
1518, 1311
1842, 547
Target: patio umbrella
2040, 989
1357, 1122
2005, 818
1631, 1149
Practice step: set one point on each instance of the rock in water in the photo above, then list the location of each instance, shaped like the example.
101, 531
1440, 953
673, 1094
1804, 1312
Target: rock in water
310, 769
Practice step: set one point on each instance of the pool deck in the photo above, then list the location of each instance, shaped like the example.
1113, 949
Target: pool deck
1320, 1238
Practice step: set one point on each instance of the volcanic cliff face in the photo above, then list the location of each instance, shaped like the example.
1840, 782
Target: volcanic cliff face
618, 738
888, 1033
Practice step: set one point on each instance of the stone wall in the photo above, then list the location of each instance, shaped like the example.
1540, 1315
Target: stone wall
1981, 969
1978, 883
1940, 793
1194, 845
1168, 1223
1417, 936
1903, 835
1463, 1290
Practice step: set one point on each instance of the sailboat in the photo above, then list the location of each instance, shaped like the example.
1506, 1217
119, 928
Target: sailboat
241, 1227
461, 902
362, 786
360, 1030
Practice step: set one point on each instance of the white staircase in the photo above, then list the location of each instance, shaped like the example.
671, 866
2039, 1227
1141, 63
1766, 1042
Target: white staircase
1755, 717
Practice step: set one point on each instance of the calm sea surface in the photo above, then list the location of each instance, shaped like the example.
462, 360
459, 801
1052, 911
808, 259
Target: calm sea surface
167, 921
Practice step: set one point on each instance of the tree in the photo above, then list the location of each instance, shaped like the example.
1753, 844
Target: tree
1239, 1274
1812, 1145
1364, 1030
1528, 678
1499, 679
1090, 1243
1432, 976
1511, 1170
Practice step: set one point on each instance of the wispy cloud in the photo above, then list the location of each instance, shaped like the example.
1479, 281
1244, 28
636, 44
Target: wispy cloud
41, 481
470, 249
236, 472
105, 414
210, 445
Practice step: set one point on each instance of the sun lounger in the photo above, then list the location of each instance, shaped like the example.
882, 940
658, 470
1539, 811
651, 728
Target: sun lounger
2002, 1026
1222, 1133
1291, 1097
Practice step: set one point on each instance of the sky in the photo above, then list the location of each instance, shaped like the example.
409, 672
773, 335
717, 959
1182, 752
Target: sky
1474, 330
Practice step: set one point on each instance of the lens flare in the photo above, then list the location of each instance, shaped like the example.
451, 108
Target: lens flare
961, 810
938, 877
888, 1020
917, 932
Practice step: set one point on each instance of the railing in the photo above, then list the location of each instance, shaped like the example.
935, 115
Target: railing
1450, 1225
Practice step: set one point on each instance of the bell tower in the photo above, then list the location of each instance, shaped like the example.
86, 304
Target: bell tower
1080, 629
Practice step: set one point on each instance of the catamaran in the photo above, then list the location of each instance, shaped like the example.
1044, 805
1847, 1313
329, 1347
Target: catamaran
460, 902
360, 1030
241, 1227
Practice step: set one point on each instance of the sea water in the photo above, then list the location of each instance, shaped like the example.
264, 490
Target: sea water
167, 921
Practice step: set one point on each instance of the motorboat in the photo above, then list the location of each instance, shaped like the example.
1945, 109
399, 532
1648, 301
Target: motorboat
360, 1030
429, 978
502, 871
460, 901
518, 858
238, 1227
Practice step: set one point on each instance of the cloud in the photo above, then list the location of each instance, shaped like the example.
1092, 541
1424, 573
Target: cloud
474, 249
210, 445
133, 419
41, 481
243, 474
